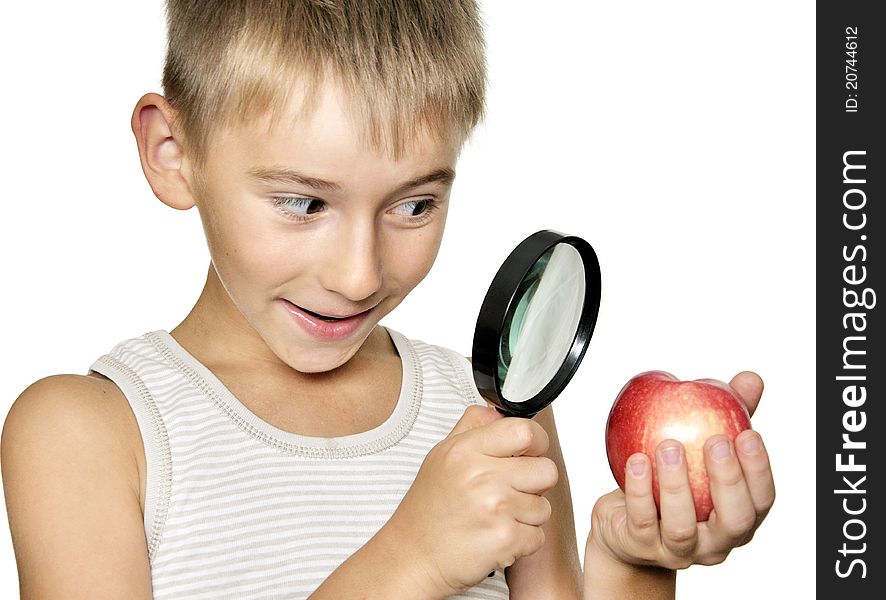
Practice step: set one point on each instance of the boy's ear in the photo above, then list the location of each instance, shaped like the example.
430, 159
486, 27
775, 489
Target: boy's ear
162, 157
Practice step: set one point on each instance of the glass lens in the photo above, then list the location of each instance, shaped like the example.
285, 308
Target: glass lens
541, 323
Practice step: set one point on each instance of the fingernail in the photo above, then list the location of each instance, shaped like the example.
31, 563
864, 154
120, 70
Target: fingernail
671, 456
638, 467
721, 451
751, 443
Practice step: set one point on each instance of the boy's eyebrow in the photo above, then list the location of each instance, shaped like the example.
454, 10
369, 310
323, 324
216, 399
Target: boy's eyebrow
444, 175
285, 175
288, 176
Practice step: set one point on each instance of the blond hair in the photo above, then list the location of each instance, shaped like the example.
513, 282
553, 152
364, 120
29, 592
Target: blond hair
405, 65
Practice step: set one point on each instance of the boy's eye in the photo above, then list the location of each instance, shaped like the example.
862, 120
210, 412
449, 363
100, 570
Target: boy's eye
298, 206
415, 208
303, 208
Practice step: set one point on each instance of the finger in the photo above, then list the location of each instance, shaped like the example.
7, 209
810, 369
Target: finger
678, 526
529, 539
512, 436
642, 516
531, 509
532, 474
750, 387
473, 417
757, 472
735, 517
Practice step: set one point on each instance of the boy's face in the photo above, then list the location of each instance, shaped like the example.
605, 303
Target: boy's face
349, 233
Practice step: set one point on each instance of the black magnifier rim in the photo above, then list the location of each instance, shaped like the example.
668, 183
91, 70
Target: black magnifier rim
495, 309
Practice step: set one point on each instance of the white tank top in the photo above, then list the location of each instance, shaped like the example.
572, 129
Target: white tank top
236, 508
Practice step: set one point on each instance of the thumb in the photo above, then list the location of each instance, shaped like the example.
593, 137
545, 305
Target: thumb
473, 417
749, 386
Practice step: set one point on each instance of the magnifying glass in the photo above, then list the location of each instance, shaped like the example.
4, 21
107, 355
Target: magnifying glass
536, 322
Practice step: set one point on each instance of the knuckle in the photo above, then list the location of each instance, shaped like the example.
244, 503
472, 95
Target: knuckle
494, 505
454, 454
485, 486
504, 538
473, 411
677, 562
545, 508
602, 508
634, 495
685, 563
713, 558
549, 471
767, 501
729, 476
739, 526
681, 540
672, 486
745, 539
643, 523
539, 540
605, 507
539, 433
521, 431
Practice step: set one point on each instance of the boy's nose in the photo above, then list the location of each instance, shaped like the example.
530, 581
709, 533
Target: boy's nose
353, 268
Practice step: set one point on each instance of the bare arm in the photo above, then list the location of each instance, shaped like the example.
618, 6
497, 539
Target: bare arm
606, 577
553, 571
377, 570
474, 507
72, 492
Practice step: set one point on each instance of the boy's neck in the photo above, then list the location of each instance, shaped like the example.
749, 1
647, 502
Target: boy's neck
355, 397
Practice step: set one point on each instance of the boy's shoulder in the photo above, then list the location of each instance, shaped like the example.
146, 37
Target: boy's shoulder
72, 489
72, 416
80, 396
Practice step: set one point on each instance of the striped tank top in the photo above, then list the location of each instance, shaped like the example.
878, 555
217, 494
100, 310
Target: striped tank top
237, 508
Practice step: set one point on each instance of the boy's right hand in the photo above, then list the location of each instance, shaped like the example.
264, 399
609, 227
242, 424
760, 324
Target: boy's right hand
476, 504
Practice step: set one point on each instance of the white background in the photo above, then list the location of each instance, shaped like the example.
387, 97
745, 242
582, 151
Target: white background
677, 137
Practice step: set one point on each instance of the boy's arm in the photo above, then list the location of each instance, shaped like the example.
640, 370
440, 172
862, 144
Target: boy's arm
377, 570
474, 507
553, 571
606, 578
72, 492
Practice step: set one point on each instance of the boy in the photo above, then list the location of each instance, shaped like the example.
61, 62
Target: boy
278, 442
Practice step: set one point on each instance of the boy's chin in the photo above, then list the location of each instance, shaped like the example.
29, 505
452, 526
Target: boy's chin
319, 359
316, 367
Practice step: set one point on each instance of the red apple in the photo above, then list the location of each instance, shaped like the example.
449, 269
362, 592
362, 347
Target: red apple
656, 406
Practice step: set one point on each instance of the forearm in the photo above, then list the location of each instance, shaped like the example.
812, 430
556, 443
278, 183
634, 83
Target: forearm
606, 578
377, 570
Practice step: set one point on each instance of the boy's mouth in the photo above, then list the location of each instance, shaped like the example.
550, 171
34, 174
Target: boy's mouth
319, 316
326, 328
323, 317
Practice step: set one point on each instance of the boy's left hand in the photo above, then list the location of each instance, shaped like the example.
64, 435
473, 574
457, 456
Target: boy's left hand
626, 524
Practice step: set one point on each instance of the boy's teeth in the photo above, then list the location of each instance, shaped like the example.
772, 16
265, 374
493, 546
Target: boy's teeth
322, 317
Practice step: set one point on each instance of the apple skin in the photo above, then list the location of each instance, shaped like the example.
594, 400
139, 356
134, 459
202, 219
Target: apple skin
656, 406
